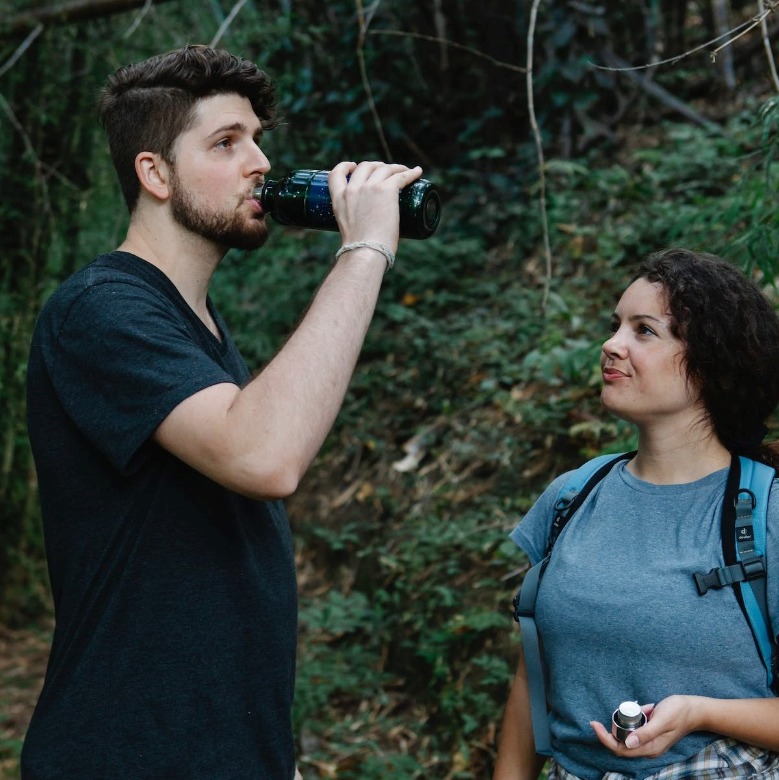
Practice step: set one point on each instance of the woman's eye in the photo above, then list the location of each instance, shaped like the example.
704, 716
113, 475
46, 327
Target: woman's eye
645, 330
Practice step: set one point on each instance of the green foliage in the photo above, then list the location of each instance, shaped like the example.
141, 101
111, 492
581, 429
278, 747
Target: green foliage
469, 396
410, 623
510, 400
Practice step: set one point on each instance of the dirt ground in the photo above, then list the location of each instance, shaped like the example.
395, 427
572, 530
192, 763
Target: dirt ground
23, 656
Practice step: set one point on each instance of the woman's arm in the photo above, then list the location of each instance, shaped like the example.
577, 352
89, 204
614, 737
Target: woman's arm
754, 721
517, 757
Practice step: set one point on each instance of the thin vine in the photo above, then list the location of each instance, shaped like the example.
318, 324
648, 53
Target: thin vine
540, 155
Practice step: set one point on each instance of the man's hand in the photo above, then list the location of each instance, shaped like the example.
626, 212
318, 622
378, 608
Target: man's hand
365, 200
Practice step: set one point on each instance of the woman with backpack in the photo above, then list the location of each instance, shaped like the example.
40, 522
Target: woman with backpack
693, 362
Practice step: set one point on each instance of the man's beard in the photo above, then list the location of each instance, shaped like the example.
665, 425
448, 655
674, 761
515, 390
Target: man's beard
230, 230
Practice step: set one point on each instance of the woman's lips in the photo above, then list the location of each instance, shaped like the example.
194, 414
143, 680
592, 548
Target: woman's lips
612, 373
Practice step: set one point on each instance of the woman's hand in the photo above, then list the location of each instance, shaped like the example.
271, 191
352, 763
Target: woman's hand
753, 721
667, 722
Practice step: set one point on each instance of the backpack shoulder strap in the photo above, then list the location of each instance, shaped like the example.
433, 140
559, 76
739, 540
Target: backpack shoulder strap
750, 541
744, 532
576, 488
525, 614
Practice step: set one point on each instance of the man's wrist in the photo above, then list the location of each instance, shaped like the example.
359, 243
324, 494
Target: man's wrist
377, 246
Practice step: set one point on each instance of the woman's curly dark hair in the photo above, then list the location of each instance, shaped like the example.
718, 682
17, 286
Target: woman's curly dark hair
731, 337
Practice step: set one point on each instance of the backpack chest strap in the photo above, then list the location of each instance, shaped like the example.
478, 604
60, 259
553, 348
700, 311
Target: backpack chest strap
749, 566
743, 571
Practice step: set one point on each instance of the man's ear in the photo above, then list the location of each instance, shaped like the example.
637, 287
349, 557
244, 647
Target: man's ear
153, 174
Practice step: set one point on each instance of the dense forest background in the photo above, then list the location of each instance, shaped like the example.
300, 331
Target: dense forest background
568, 139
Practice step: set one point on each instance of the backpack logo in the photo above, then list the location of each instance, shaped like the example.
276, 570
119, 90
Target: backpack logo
746, 534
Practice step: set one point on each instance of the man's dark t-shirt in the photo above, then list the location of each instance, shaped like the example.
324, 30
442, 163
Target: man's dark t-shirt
175, 599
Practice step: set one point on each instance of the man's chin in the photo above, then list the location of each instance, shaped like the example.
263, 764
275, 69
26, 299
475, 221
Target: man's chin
247, 240
251, 246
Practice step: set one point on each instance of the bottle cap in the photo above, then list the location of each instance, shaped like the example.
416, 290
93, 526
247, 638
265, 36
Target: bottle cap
629, 713
626, 718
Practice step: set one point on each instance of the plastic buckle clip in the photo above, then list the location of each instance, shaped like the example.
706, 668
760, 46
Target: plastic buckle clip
714, 579
743, 571
754, 568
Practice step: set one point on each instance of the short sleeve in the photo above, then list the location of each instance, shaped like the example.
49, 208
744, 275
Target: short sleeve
532, 532
120, 359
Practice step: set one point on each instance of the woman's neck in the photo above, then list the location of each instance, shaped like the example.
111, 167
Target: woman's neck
678, 458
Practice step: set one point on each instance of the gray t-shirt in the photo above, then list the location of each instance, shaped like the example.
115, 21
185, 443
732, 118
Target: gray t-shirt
620, 616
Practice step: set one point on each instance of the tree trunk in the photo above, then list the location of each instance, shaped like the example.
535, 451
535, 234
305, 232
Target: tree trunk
46, 158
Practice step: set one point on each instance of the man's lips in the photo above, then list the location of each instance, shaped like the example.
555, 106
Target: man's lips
254, 199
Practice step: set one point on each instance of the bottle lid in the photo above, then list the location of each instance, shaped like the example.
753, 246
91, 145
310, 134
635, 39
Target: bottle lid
629, 713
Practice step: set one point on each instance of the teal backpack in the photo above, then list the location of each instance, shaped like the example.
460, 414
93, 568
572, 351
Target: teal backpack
744, 512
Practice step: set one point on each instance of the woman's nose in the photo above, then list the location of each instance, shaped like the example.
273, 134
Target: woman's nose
614, 346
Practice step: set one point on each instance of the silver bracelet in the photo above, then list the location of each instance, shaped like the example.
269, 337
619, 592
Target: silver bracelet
382, 248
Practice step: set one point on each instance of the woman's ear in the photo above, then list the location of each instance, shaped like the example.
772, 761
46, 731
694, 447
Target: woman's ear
153, 174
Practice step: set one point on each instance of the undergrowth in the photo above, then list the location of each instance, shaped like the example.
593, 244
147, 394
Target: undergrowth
468, 399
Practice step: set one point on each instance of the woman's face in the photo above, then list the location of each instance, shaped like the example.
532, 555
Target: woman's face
642, 363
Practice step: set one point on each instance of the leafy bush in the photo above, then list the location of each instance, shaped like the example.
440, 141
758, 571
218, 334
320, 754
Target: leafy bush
467, 401
470, 396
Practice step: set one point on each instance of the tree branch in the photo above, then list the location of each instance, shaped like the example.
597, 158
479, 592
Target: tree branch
364, 22
540, 153
445, 42
227, 22
64, 13
736, 33
720, 13
767, 45
138, 19
23, 46
616, 63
